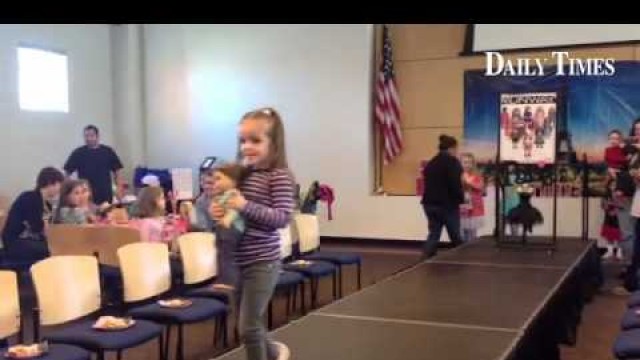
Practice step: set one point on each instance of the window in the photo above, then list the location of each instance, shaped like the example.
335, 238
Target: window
43, 83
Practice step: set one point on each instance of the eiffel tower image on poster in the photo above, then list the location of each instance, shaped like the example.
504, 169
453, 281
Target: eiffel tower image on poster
566, 154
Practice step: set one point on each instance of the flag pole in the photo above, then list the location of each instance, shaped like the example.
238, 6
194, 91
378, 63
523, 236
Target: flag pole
377, 41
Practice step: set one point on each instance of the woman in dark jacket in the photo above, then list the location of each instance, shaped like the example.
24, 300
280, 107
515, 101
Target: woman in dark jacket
23, 234
443, 194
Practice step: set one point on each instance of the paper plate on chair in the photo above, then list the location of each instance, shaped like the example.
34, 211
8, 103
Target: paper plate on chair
112, 323
27, 351
302, 263
175, 303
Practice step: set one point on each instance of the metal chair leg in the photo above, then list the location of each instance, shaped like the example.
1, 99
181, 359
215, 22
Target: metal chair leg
340, 276
288, 303
314, 293
119, 354
294, 294
270, 315
334, 283
21, 331
161, 347
236, 333
225, 331
359, 266
167, 342
302, 298
216, 332
221, 332
180, 347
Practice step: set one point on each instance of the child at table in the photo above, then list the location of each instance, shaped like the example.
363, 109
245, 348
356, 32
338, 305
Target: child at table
153, 223
70, 209
86, 202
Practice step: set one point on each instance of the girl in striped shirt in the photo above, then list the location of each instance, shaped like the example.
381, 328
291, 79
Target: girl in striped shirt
265, 201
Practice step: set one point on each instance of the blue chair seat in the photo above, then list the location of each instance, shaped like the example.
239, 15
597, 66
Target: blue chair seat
315, 269
18, 265
82, 334
288, 279
59, 352
634, 299
627, 345
202, 309
334, 257
209, 292
630, 319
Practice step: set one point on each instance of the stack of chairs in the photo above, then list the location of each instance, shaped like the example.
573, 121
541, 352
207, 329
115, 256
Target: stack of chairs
627, 344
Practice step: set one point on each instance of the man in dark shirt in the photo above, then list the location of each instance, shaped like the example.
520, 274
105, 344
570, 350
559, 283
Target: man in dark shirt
95, 163
443, 195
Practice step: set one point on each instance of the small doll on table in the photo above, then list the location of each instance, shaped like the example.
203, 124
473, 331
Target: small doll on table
230, 229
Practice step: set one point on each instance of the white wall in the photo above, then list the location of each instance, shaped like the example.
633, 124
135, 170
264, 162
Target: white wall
523, 36
31, 140
128, 96
200, 79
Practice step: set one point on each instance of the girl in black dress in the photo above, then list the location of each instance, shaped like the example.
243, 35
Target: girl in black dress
525, 214
610, 230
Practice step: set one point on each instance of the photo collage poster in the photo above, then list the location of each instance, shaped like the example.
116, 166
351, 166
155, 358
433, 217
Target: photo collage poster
528, 127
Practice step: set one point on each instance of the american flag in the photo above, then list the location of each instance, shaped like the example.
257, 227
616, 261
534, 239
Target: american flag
387, 105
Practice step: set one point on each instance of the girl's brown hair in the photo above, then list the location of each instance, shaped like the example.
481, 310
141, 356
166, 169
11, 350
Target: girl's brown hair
67, 188
85, 182
147, 202
277, 157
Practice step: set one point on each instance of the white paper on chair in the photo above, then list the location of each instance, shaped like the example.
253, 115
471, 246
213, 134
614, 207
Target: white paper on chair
182, 179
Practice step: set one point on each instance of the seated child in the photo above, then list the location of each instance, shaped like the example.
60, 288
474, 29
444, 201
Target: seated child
86, 202
153, 224
70, 210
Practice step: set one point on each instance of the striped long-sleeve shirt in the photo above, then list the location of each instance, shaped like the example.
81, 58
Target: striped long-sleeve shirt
270, 205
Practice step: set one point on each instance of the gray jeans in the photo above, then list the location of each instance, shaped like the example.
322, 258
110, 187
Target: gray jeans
257, 284
227, 242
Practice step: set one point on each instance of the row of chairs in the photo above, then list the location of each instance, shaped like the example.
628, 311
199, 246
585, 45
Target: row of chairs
627, 344
100, 241
309, 262
69, 298
103, 242
147, 278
